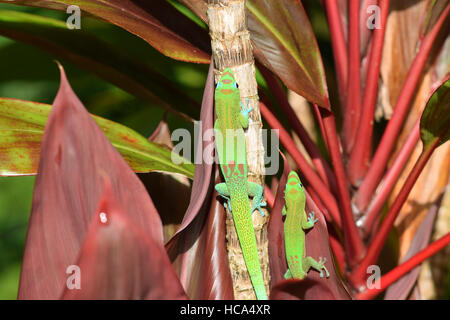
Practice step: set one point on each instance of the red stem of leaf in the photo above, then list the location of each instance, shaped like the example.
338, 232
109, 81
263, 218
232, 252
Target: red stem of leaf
377, 244
305, 168
353, 106
353, 244
373, 213
405, 267
321, 165
360, 154
338, 251
316, 111
390, 135
339, 45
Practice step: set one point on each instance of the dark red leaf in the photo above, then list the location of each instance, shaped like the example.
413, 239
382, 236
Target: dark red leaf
201, 255
433, 10
198, 249
318, 245
285, 43
306, 289
76, 159
161, 134
163, 186
202, 184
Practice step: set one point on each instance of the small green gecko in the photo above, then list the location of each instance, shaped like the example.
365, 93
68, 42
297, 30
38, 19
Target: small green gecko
294, 235
232, 119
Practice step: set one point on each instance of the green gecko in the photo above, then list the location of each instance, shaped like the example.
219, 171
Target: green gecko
232, 119
294, 235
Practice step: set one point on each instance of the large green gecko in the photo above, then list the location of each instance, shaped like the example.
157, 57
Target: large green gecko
294, 231
232, 119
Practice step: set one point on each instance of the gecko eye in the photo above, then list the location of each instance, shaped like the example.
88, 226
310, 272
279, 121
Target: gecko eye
235, 85
300, 185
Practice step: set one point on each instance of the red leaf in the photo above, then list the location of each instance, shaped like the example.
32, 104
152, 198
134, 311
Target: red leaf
285, 43
318, 245
201, 254
120, 261
76, 158
162, 134
163, 186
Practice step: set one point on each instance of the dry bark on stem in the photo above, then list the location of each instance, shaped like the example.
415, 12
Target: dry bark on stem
231, 47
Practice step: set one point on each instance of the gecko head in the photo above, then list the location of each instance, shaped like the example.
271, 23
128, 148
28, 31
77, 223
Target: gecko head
227, 82
294, 186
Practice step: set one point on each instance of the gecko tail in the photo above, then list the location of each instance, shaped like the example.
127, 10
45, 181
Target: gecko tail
246, 235
258, 285
261, 292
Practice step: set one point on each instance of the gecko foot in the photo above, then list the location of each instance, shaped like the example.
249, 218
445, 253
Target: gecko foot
245, 110
258, 207
322, 261
227, 205
312, 218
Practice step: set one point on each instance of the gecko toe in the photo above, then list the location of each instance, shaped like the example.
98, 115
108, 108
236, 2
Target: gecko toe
261, 212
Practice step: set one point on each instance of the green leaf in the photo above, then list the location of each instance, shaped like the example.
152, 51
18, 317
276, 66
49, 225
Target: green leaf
156, 21
435, 121
107, 61
285, 43
22, 126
